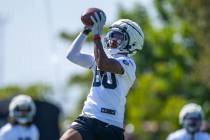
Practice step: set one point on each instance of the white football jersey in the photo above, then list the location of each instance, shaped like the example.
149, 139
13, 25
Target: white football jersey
183, 135
18, 132
107, 97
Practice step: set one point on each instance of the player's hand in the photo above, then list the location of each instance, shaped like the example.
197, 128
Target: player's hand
98, 23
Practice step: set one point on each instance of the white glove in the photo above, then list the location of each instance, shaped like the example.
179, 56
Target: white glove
98, 23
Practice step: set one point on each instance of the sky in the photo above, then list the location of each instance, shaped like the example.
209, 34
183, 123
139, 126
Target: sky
30, 48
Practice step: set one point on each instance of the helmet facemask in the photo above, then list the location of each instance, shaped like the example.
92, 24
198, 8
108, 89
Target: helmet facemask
22, 114
116, 40
192, 122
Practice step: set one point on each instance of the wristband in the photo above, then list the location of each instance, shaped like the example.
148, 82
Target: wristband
86, 31
96, 37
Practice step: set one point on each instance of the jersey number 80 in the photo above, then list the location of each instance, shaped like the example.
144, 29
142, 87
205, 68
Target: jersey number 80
107, 79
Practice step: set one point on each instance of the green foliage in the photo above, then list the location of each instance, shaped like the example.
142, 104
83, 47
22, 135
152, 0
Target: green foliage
9, 91
84, 83
82, 79
194, 15
36, 91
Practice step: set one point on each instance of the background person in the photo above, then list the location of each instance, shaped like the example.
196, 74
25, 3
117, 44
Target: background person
20, 126
190, 117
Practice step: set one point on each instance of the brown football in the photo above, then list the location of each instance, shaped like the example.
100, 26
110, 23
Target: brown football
85, 17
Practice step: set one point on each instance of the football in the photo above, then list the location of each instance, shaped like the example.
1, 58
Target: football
85, 17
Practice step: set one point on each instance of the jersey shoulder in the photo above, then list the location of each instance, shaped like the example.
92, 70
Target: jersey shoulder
204, 135
5, 130
35, 130
34, 127
126, 61
129, 67
176, 135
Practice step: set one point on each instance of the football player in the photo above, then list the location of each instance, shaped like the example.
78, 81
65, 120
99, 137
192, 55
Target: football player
21, 112
190, 117
114, 74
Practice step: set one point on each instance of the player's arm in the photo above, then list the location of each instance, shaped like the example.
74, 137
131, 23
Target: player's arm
74, 53
102, 61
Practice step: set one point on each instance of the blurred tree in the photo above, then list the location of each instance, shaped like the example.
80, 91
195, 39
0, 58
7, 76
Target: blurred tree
196, 16
36, 91
172, 69
85, 82
47, 114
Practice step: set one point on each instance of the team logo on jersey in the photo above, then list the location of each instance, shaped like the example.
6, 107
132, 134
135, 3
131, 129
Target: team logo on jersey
125, 62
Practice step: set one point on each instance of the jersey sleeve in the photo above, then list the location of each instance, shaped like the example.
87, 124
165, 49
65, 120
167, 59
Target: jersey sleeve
75, 55
4, 135
129, 67
169, 137
177, 135
36, 133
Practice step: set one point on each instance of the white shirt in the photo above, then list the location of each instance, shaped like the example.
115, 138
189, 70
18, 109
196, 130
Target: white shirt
18, 132
107, 98
183, 135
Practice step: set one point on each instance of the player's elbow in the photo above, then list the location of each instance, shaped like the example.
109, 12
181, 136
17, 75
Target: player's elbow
102, 65
71, 57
